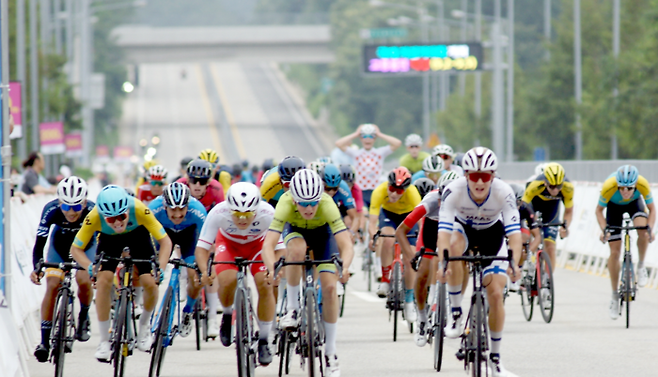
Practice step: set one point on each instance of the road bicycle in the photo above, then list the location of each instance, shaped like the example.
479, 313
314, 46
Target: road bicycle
438, 312
368, 264
284, 339
123, 336
201, 320
246, 338
311, 330
627, 282
537, 278
64, 329
475, 339
163, 327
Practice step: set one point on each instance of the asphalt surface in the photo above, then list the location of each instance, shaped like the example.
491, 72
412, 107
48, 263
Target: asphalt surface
580, 341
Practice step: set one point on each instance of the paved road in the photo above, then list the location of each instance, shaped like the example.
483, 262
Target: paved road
581, 341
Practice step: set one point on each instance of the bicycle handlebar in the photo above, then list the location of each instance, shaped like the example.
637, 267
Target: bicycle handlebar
64, 266
379, 234
100, 258
335, 259
474, 258
614, 227
415, 261
179, 262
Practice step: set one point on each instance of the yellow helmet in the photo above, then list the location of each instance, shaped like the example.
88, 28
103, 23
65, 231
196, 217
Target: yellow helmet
209, 155
149, 164
554, 174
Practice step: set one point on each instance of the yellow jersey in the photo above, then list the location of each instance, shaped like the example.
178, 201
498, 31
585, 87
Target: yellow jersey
407, 202
536, 190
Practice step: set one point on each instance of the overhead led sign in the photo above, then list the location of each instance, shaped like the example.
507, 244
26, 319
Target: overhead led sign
422, 57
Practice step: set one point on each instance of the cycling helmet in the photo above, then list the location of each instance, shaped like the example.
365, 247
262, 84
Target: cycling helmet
243, 197
347, 173
157, 173
554, 173
268, 164
331, 175
480, 159
459, 157
433, 164
413, 140
149, 164
443, 149
518, 190
199, 169
424, 186
72, 190
325, 160
627, 176
306, 186
445, 180
367, 129
245, 163
209, 155
399, 177
317, 167
176, 195
185, 161
112, 201
539, 169
289, 166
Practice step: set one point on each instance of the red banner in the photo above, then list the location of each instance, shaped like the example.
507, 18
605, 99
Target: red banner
52, 137
15, 107
122, 153
73, 143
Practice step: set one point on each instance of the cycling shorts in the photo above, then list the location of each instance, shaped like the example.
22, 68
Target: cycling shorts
615, 214
429, 231
140, 244
54, 257
320, 240
185, 239
550, 214
393, 220
226, 251
367, 195
489, 242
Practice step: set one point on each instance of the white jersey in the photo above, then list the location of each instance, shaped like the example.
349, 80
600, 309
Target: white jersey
220, 220
457, 205
369, 165
457, 169
431, 204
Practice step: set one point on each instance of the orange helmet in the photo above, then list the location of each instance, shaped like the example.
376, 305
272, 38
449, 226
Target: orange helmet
399, 177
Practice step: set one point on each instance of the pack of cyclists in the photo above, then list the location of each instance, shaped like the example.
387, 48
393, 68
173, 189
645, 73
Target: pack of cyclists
427, 202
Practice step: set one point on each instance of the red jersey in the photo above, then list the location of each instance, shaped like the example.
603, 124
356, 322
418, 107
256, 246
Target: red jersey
214, 193
144, 194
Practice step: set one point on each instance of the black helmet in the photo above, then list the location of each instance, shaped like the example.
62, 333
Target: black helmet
185, 161
268, 164
424, 186
199, 168
289, 166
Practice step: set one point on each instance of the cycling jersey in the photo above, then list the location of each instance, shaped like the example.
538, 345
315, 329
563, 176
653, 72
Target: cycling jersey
224, 178
343, 196
144, 194
271, 189
418, 175
138, 215
63, 231
369, 165
327, 213
610, 192
357, 194
537, 194
407, 202
214, 193
414, 164
220, 220
428, 208
526, 213
185, 234
455, 168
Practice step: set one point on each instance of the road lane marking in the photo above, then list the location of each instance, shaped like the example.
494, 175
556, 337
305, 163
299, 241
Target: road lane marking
211, 118
227, 111
369, 297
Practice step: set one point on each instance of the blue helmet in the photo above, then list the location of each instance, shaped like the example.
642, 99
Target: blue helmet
627, 176
112, 201
331, 175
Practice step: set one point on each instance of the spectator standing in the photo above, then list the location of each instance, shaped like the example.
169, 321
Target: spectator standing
33, 181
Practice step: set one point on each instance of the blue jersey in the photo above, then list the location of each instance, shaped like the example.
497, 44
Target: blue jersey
247, 176
418, 175
344, 196
196, 215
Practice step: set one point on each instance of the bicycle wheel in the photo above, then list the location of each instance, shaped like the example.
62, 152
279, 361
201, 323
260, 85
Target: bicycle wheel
197, 324
527, 299
120, 336
59, 332
440, 316
243, 335
369, 267
628, 288
478, 318
395, 298
310, 306
545, 286
157, 349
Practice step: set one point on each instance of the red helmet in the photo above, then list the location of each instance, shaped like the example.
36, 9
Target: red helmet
399, 177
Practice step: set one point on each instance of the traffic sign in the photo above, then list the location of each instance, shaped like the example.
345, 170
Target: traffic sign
382, 33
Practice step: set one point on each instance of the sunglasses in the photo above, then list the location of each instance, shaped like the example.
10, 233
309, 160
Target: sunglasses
330, 189
201, 181
75, 208
367, 136
553, 187
445, 156
309, 204
157, 183
113, 219
414, 146
397, 190
623, 188
286, 184
476, 176
243, 215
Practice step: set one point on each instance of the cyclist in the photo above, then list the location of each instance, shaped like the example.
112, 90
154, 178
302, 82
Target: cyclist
306, 217
342, 195
276, 182
316, 166
151, 190
478, 211
529, 230
539, 170
391, 202
267, 165
220, 175
122, 221
544, 194
206, 190
182, 217
183, 168
65, 214
414, 159
622, 193
348, 175
238, 227
432, 169
445, 152
144, 171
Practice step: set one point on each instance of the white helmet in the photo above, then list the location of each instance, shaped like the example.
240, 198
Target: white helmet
413, 139
243, 197
72, 190
157, 173
433, 164
316, 166
539, 169
306, 186
368, 129
480, 159
445, 180
443, 149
